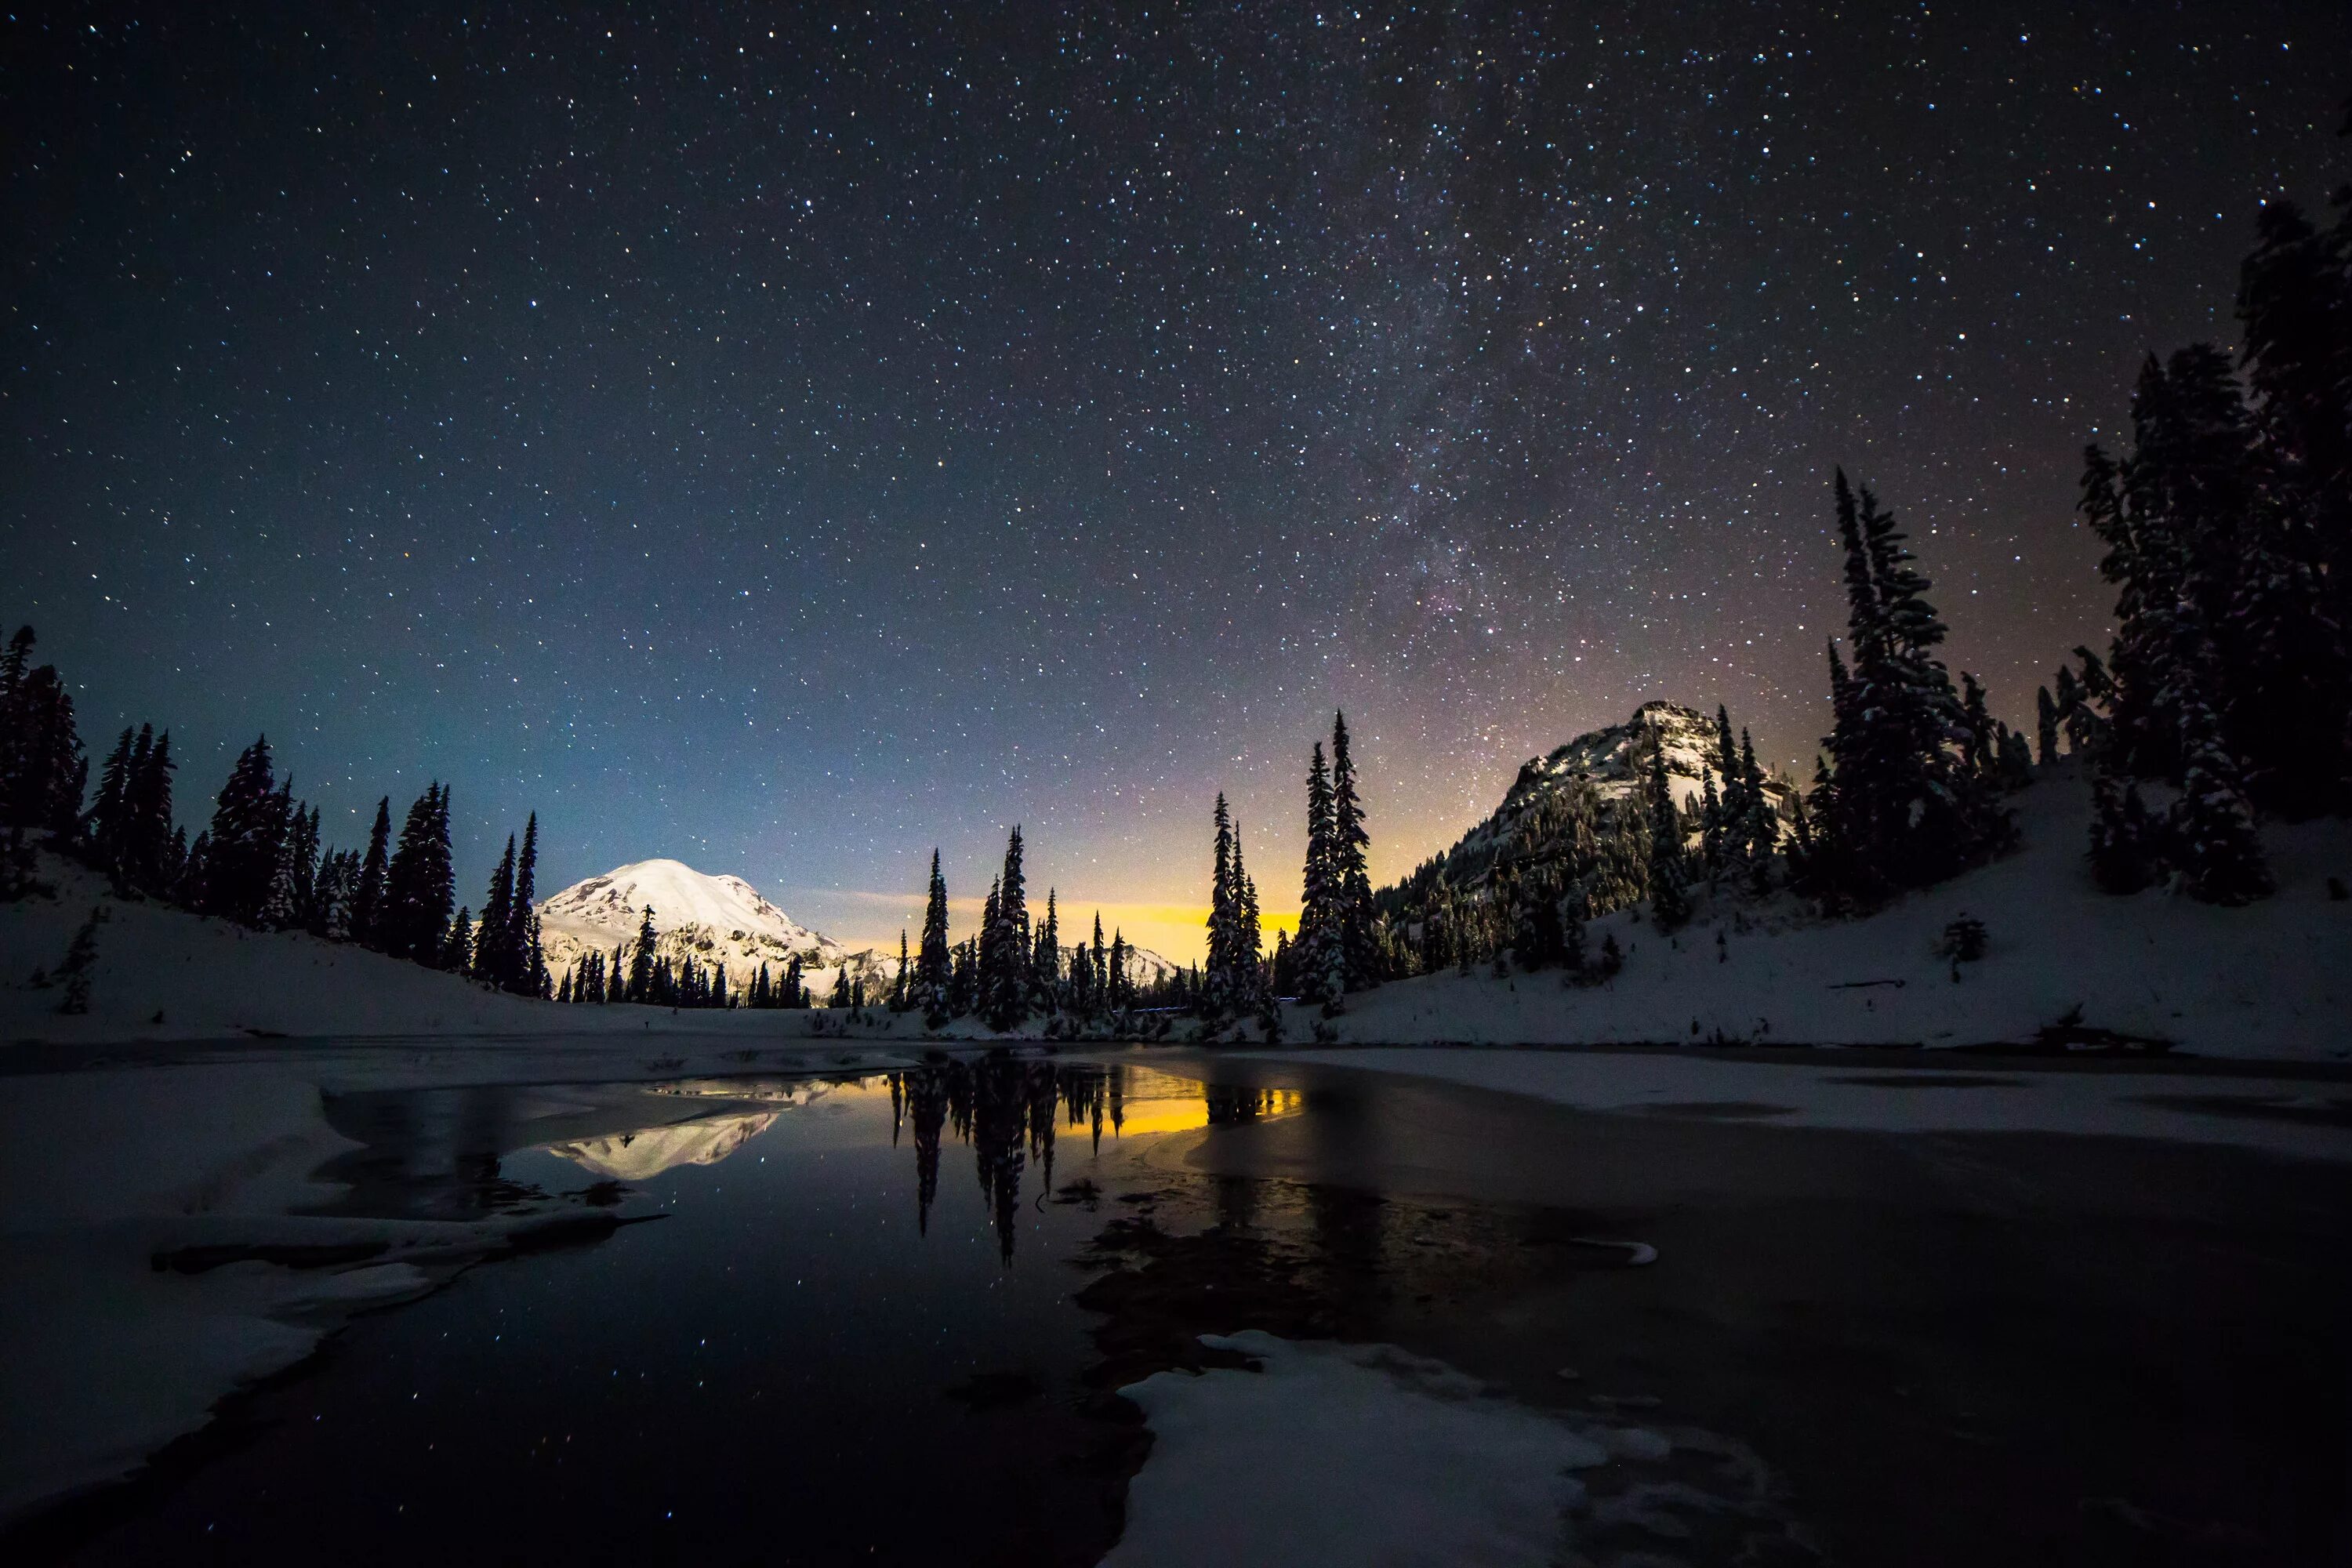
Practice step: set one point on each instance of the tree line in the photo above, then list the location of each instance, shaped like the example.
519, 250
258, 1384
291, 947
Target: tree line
260, 861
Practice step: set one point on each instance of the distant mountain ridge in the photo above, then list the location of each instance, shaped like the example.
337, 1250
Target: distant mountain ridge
721, 920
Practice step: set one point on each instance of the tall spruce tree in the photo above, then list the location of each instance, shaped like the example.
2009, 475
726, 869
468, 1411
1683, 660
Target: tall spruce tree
367, 896
521, 941
419, 885
245, 840
1005, 981
934, 967
641, 960
496, 952
1669, 868
1320, 954
1901, 806
1223, 917
1350, 844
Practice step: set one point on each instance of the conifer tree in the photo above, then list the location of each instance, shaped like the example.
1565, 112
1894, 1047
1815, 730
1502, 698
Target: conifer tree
105, 826
934, 967
1321, 958
246, 838
43, 771
1901, 806
495, 951
1046, 969
1669, 906
1248, 943
528, 975
1349, 846
2045, 726
1223, 916
457, 953
419, 888
367, 898
1005, 965
641, 961
1711, 824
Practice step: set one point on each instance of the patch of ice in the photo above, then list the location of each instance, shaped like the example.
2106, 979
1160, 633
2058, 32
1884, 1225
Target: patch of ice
1345, 1454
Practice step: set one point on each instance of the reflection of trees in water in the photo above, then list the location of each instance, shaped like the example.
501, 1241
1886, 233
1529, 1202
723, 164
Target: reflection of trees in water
1006, 1108
1228, 1105
1008, 1111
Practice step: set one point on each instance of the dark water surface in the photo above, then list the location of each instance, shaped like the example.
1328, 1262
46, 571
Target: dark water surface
880, 1319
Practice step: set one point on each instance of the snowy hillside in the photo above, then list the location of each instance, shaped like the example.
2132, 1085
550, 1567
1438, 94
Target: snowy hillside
2269, 979
716, 919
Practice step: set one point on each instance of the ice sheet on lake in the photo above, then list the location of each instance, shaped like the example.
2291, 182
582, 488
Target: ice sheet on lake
1345, 1454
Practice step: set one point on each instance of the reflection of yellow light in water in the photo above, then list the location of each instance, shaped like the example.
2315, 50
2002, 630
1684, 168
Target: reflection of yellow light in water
1156, 1101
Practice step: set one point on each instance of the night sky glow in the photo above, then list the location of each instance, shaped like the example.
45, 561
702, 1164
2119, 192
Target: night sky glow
785, 440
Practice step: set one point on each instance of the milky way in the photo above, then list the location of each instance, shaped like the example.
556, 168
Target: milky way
787, 443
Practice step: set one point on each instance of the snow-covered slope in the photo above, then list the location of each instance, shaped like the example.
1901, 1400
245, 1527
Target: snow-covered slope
716, 919
2267, 980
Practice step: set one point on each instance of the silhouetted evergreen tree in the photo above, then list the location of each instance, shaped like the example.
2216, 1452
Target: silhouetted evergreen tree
419, 883
1349, 846
1320, 957
367, 894
43, 772
641, 961
521, 945
496, 958
1005, 981
1902, 806
1669, 868
246, 838
933, 965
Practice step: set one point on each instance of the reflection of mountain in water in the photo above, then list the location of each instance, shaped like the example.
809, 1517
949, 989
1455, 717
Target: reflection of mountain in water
634, 1156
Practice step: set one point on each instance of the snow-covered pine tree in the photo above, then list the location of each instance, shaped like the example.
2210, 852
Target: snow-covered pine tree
457, 953
1669, 869
104, 826
1004, 978
2212, 827
1711, 825
522, 917
2045, 726
1902, 806
494, 951
367, 898
1760, 825
1248, 980
1981, 751
641, 960
1320, 956
1045, 962
1350, 846
243, 842
1217, 998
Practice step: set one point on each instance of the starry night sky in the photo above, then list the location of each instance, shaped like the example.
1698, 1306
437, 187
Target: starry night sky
786, 440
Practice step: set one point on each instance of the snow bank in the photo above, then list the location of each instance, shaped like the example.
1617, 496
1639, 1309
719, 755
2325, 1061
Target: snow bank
150, 1264
1344, 1454
2271, 980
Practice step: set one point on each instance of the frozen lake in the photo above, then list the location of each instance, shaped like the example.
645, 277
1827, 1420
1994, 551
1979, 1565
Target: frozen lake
883, 1316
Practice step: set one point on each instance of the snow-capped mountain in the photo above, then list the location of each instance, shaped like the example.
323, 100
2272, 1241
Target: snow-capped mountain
1615, 761
716, 919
